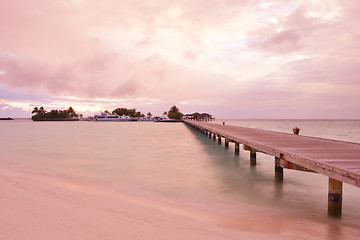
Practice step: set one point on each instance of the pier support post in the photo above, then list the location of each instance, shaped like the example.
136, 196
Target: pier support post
209, 134
279, 171
252, 154
237, 148
226, 143
214, 136
252, 157
219, 139
335, 198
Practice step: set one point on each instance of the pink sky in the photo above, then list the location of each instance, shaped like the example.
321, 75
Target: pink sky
232, 58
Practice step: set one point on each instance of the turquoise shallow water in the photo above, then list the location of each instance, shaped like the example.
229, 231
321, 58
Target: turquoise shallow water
174, 161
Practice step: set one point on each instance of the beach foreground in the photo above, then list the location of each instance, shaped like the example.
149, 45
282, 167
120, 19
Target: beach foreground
39, 207
84, 180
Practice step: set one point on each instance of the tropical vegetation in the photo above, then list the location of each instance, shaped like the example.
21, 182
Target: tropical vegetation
174, 113
128, 112
42, 114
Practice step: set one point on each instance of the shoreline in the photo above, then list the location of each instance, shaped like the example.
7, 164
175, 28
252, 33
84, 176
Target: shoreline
33, 202
55, 119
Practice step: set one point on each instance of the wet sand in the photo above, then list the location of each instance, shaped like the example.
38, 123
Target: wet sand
36, 206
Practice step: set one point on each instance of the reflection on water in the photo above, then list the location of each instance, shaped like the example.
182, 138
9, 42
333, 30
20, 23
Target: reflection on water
175, 161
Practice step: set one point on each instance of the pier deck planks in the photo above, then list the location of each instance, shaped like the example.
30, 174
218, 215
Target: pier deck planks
336, 159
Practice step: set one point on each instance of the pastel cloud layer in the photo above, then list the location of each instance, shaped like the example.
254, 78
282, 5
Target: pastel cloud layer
232, 58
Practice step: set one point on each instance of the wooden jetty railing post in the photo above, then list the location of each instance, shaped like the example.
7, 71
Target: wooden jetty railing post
219, 139
279, 171
226, 143
237, 148
335, 198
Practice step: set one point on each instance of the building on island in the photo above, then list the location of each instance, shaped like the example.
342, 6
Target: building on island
199, 117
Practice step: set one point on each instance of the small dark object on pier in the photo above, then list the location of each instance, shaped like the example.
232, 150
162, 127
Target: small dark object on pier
296, 130
223, 123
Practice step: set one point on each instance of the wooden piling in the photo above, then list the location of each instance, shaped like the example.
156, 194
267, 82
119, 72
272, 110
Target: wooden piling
237, 148
335, 198
219, 139
209, 134
279, 171
252, 154
226, 143
214, 137
252, 157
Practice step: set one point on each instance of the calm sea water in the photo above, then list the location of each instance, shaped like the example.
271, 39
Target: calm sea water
174, 161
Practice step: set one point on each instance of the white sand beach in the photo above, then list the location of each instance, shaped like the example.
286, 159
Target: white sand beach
35, 206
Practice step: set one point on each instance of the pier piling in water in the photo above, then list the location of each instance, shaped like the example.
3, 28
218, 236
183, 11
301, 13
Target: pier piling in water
237, 148
335, 198
279, 171
252, 154
226, 143
219, 139
252, 157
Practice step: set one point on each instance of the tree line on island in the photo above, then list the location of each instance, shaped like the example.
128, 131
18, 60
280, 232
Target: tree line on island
174, 113
61, 115
41, 114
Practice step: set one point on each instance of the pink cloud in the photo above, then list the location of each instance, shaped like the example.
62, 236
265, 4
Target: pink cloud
126, 49
191, 55
296, 29
279, 42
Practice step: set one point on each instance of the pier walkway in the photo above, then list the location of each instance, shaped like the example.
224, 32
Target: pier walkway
338, 160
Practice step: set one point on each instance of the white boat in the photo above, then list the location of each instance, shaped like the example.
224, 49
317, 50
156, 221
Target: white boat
145, 119
165, 119
105, 117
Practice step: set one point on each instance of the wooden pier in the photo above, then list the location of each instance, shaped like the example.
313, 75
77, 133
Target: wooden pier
338, 160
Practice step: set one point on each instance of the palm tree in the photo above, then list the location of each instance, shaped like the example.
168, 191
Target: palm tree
42, 110
174, 113
174, 109
149, 115
36, 110
164, 113
71, 112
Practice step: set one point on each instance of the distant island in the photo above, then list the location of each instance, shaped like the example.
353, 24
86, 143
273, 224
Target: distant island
8, 118
54, 115
124, 114
118, 114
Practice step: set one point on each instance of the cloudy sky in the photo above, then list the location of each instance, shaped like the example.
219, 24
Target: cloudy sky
232, 58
